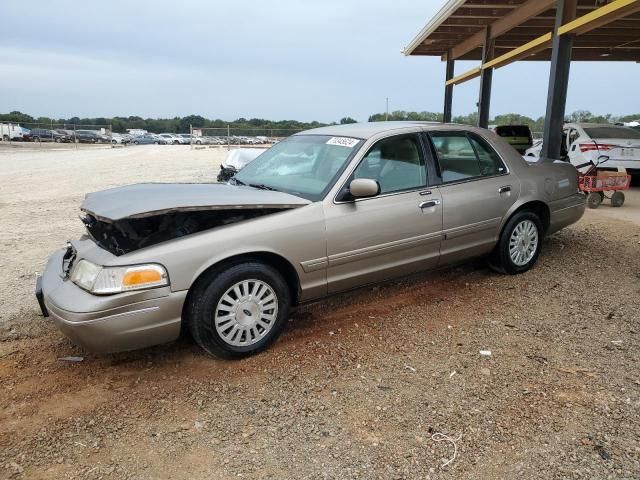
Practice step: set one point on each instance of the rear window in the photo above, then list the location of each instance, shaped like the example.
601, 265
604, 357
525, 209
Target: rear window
613, 132
513, 131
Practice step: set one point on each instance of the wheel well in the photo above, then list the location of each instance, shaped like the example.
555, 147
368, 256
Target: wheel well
274, 260
539, 208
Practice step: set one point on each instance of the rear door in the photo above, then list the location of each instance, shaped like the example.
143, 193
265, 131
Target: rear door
477, 190
394, 233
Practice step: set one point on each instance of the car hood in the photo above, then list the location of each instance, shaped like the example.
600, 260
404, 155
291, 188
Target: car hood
148, 199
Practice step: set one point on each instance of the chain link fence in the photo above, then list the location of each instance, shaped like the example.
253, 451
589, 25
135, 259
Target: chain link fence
233, 136
75, 135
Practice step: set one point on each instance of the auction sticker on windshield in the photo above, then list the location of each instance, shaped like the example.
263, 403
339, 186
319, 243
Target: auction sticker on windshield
343, 141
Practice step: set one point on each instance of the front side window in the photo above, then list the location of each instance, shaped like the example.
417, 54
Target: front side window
395, 163
461, 156
303, 165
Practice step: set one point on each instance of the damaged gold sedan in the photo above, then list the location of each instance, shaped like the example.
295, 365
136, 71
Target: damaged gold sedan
321, 212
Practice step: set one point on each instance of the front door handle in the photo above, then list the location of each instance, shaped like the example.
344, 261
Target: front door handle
429, 203
504, 189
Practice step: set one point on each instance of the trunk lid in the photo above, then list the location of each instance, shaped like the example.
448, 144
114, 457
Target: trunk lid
619, 148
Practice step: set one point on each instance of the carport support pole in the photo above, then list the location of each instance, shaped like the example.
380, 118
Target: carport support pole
558, 83
448, 90
486, 77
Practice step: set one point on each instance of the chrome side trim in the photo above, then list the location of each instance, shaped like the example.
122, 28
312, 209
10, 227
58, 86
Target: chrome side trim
373, 251
314, 265
471, 228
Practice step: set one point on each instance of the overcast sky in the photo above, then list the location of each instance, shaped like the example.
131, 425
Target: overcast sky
279, 59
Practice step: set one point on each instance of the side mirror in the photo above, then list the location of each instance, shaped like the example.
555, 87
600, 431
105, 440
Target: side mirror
364, 188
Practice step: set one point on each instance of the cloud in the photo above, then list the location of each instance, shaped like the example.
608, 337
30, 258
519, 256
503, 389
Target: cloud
278, 59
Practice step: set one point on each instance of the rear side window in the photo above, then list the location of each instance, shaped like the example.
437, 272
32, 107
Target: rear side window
624, 133
461, 157
490, 162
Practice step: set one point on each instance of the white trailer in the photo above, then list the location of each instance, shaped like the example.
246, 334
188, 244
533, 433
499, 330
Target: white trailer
10, 131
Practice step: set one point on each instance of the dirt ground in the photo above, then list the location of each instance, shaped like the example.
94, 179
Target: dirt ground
358, 386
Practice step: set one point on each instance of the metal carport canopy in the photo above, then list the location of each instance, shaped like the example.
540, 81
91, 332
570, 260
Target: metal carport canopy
499, 32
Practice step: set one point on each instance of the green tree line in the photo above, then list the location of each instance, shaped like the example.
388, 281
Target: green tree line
162, 125
536, 125
181, 124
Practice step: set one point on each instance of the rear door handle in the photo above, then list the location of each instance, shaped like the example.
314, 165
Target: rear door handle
504, 189
429, 203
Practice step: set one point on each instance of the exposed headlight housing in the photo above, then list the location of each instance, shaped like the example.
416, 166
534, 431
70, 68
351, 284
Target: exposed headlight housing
105, 280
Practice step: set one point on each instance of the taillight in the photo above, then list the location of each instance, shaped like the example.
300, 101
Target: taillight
595, 147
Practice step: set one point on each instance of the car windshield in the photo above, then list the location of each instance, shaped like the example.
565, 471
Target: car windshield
624, 133
303, 165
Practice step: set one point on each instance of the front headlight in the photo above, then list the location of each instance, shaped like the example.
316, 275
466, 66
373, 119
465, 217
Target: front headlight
102, 280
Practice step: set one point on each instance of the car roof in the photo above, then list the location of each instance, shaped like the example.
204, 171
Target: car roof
592, 125
370, 129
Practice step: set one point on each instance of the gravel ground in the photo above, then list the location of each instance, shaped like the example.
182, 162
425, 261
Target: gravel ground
359, 386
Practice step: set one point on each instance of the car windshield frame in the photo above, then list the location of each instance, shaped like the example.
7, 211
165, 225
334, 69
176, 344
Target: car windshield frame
593, 132
330, 144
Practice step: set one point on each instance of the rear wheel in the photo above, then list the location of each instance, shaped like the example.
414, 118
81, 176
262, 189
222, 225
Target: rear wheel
617, 199
238, 311
594, 199
519, 244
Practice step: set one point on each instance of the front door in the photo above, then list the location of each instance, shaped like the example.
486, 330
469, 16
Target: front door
477, 191
394, 233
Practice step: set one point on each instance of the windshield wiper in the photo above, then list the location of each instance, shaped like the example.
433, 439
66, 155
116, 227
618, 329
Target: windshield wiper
262, 186
236, 181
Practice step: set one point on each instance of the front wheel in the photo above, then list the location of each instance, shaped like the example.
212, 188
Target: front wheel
519, 244
238, 311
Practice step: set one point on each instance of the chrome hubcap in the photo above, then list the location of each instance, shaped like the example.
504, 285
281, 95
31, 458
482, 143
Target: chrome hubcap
523, 242
246, 313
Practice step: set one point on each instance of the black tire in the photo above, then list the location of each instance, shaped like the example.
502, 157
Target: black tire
501, 260
5, 138
617, 199
203, 302
135, 142
36, 139
594, 199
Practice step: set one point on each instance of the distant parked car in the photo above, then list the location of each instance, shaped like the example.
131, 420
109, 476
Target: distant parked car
120, 138
46, 135
187, 137
87, 136
148, 140
518, 136
534, 150
172, 138
584, 143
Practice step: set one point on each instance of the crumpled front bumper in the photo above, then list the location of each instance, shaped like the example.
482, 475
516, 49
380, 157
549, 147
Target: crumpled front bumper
109, 323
